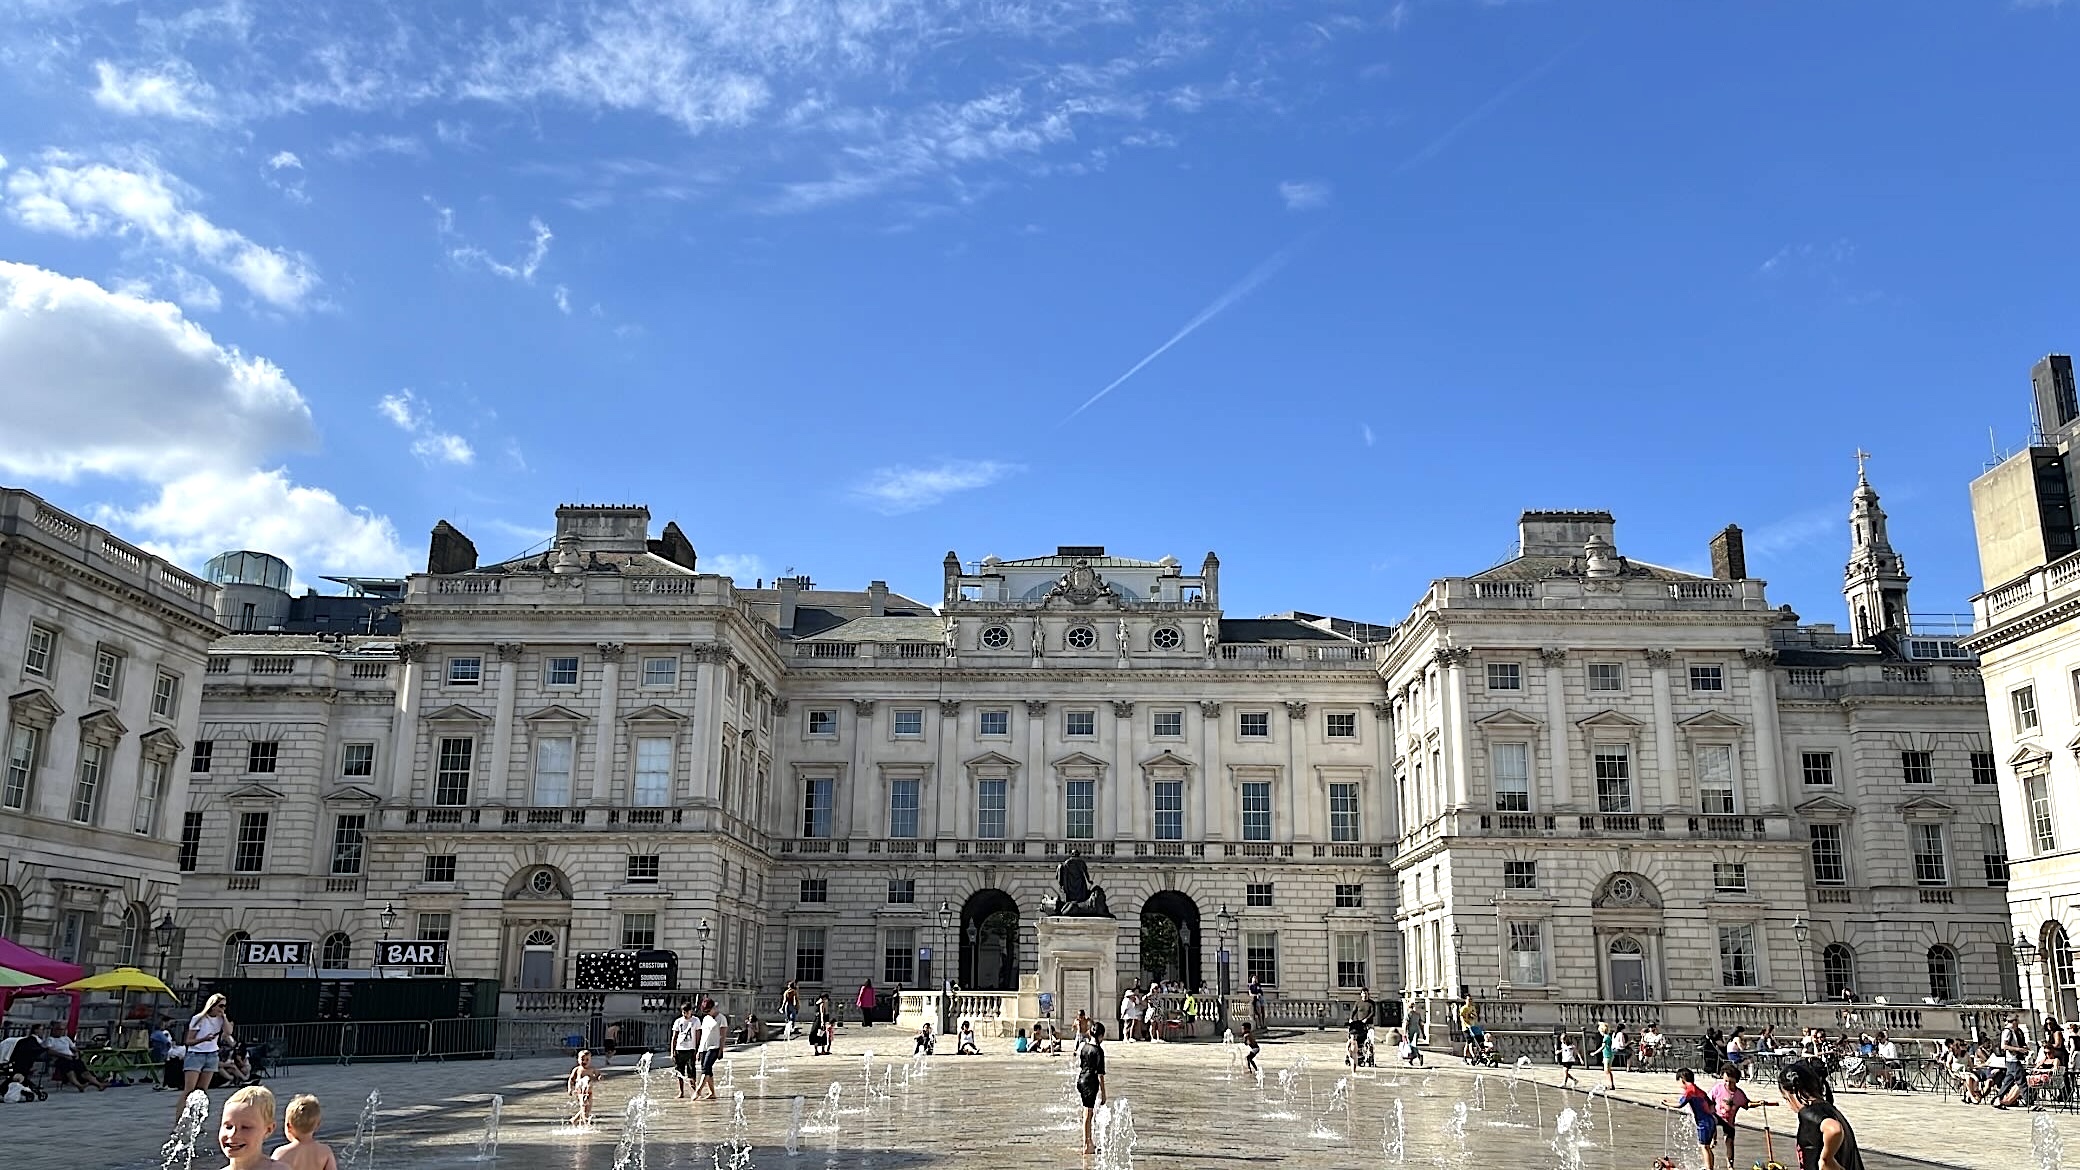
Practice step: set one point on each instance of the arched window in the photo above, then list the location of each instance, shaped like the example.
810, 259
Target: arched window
1837, 970
234, 946
130, 943
1942, 973
336, 952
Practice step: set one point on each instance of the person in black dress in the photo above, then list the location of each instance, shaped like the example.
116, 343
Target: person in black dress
1090, 1080
1825, 1141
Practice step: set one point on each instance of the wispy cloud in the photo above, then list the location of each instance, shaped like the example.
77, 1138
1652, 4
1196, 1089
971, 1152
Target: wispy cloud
1365, 429
1793, 533
1219, 305
521, 269
356, 146
429, 442
1807, 258
742, 566
896, 490
1304, 195
171, 91
1436, 145
284, 172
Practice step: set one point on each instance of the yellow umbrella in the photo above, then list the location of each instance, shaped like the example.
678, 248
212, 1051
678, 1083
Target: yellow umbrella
120, 979
9, 977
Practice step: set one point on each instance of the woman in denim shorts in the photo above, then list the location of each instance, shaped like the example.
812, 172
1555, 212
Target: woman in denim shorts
208, 1030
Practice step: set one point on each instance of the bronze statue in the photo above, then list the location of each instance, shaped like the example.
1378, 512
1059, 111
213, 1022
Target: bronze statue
1077, 896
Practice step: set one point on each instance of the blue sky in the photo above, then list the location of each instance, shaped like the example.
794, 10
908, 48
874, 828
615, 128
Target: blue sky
829, 283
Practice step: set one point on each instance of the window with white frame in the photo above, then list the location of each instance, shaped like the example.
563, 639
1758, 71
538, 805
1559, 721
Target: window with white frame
1917, 767
2022, 703
1737, 964
108, 673
1931, 862
552, 771
822, 721
1527, 954
652, 784
1340, 724
644, 869
1613, 763
42, 650
994, 722
1830, 866
899, 956
1942, 973
438, 869
1260, 956
22, 744
661, 672
814, 891
1505, 676
1253, 725
166, 695
151, 786
1818, 768
639, 931
902, 891
1730, 877
1714, 763
357, 760
1258, 895
1993, 854
1707, 677
2037, 791
1511, 763
1519, 875
86, 784
817, 796
907, 723
1169, 810
990, 800
1166, 724
1256, 810
1350, 895
808, 954
262, 755
1079, 724
902, 808
466, 671
1353, 959
1606, 676
249, 850
1344, 818
434, 926
1080, 798
560, 671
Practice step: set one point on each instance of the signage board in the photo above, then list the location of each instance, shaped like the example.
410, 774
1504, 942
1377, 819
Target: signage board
275, 953
412, 953
657, 970
924, 954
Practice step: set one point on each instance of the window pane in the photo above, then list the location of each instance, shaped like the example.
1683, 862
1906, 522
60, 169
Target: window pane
1828, 866
1714, 778
989, 810
146, 814
1613, 778
1527, 954
1168, 724
1918, 767
1818, 767
899, 956
1169, 800
562, 672
1353, 955
909, 722
808, 954
653, 779
347, 833
1079, 723
1505, 676
993, 723
1520, 875
1931, 868
660, 672
191, 841
902, 809
552, 772
1342, 725
1253, 725
1343, 812
464, 672
250, 853
1512, 765
86, 787
1256, 811
1737, 957
816, 807
21, 763
1260, 952
1082, 811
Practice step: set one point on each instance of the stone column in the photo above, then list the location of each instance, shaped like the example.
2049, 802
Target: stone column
1213, 778
1043, 804
405, 736
1662, 787
608, 717
1454, 705
499, 779
1299, 819
1558, 758
1126, 789
1762, 704
947, 749
1384, 798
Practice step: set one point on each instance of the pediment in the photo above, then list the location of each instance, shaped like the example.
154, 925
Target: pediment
352, 794
1166, 759
1710, 721
1079, 760
2073, 744
159, 741
555, 713
1826, 806
990, 760
654, 713
1610, 718
1928, 806
1508, 719
2030, 757
34, 701
102, 722
457, 713
253, 792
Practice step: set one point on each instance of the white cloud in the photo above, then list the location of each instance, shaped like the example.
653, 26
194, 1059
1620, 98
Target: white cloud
563, 300
358, 145
285, 159
895, 490
168, 92
1793, 533
742, 566
1366, 430
429, 442
106, 383
284, 172
1304, 195
521, 269
95, 199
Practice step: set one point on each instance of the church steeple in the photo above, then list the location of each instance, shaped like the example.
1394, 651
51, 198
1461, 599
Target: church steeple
1875, 581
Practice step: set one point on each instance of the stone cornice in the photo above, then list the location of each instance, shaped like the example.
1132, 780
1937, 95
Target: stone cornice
2036, 621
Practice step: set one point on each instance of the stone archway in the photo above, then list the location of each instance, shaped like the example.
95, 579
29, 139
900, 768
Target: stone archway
989, 942
1170, 938
1626, 913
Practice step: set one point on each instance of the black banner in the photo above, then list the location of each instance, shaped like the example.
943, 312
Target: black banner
412, 953
657, 970
275, 953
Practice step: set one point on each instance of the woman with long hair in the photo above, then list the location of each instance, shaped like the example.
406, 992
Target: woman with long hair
208, 1034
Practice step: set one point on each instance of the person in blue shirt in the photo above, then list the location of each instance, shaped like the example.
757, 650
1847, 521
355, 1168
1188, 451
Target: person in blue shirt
1706, 1119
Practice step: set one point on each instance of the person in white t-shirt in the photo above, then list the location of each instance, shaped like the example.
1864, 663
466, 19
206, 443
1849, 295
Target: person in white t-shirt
686, 1036
1129, 1014
207, 1031
714, 1027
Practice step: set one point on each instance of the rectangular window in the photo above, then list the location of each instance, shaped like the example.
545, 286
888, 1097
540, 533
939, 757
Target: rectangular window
465, 672
644, 869
434, 926
1256, 810
660, 672
1169, 798
1527, 954
898, 956
1520, 875
909, 723
166, 695
262, 755
1350, 895
1353, 955
994, 721
653, 778
108, 673
1613, 778
201, 760
451, 773
1730, 878
823, 721
357, 759
1341, 725
552, 772
1714, 778
439, 868
1257, 895
815, 890
348, 831
191, 841
86, 786
817, 795
1737, 957
22, 742
1818, 768
1082, 810
1707, 678
1343, 812
145, 817
1918, 767
1606, 676
1512, 766
989, 809
902, 809
808, 954
1079, 724
1983, 771
1993, 854
2038, 792
1260, 954
2022, 702
1931, 866
249, 854
639, 931
560, 671
902, 891
1253, 725
43, 646
1505, 676
1829, 866
1167, 724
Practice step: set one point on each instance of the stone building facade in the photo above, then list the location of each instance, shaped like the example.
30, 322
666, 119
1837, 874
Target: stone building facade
101, 650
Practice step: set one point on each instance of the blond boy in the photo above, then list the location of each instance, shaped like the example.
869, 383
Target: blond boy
247, 1124
304, 1151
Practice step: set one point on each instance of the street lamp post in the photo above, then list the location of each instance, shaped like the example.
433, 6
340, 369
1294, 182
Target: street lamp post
1801, 931
945, 917
2026, 955
701, 932
387, 919
165, 934
1458, 960
1224, 924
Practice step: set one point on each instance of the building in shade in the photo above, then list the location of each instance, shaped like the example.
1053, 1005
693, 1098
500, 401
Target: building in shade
102, 648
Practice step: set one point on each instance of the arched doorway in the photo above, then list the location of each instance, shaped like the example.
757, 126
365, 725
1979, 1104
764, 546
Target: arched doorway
1628, 964
1626, 912
537, 921
538, 960
989, 942
2055, 953
1170, 938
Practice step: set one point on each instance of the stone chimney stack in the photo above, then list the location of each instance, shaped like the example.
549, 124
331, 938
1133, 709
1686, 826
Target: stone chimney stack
450, 551
1729, 555
790, 593
877, 599
674, 547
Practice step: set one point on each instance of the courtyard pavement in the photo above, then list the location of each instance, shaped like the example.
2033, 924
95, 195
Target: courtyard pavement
999, 1109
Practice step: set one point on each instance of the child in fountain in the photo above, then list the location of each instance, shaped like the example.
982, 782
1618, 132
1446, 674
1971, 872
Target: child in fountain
1569, 1058
1701, 1113
578, 1086
1090, 1078
247, 1123
1249, 1048
304, 1151
967, 1045
1727, 1101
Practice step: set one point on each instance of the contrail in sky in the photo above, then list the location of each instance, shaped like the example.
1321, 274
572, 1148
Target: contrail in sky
1221, 303
1507, 92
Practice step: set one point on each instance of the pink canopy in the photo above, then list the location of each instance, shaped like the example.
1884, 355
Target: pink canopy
21, 958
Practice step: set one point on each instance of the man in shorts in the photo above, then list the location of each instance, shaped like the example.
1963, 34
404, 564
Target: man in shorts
686, 1038
714, 1026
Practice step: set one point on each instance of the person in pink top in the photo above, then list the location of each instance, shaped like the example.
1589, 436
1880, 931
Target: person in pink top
866, 1002
1728, 1100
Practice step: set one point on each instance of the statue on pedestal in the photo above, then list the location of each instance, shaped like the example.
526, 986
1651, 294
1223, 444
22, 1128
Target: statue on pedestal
1077, 896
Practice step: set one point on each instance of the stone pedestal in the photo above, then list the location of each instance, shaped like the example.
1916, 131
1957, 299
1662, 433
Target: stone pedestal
1079, 966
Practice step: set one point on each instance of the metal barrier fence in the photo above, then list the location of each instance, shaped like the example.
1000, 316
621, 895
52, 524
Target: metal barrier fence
346, 1041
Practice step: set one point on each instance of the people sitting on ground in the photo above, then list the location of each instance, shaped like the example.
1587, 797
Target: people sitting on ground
66, 1066
754, 1031
966, 1044
1021, 1044
925, 1041
1047, 1038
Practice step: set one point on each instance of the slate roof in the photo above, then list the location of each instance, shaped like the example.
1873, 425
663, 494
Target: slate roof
635, 563
1540, 567
878, 629
303, 644
819, 611
1275, 629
